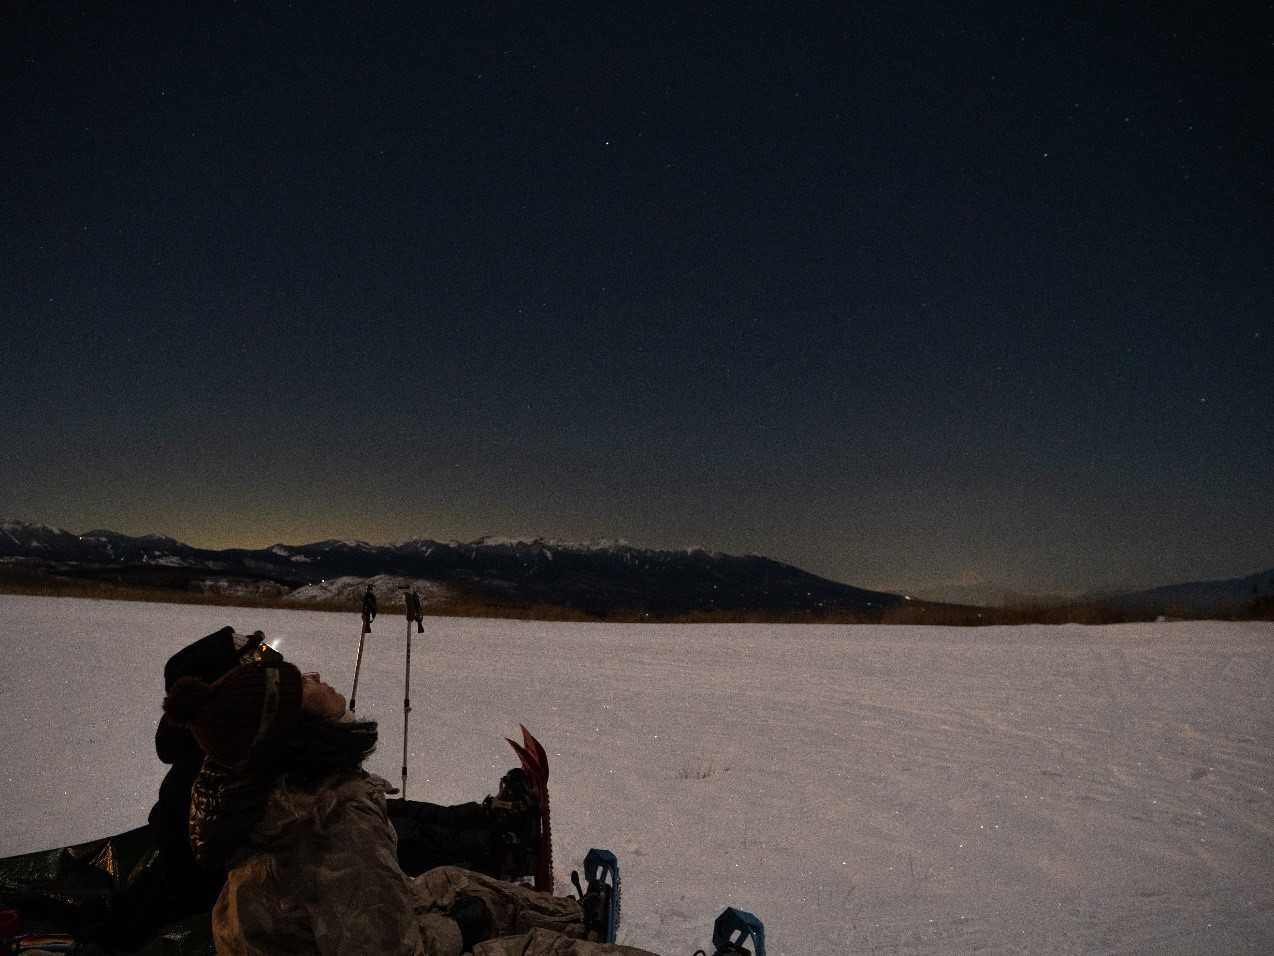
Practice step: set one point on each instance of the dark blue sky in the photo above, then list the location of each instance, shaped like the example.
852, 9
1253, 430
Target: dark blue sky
898, 293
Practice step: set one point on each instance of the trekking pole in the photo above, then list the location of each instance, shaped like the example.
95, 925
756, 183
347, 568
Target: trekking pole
406, 702
369, 615
358, 663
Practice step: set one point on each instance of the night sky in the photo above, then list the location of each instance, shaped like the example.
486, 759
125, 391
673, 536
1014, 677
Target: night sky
900, 293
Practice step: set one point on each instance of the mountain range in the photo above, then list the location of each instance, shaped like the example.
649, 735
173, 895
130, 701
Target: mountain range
598, 579
1194, 599
1200, 598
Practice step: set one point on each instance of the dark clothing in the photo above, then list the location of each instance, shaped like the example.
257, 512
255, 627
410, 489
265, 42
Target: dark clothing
318, 876
207, 659
174, 863
369, 610
226, 805
174, 885
430, 835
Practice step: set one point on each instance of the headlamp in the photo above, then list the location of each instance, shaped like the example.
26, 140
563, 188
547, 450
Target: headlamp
265, 655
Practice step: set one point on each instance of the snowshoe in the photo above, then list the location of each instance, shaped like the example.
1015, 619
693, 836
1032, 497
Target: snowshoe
732, 930
600, 900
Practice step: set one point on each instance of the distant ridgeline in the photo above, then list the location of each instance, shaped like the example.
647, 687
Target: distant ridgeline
507, 578
608, 579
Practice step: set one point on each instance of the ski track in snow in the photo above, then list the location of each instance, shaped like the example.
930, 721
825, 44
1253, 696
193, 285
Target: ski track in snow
1041, 790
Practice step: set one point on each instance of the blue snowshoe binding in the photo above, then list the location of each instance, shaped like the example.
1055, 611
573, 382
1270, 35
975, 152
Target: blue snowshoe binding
732, 932
600, 899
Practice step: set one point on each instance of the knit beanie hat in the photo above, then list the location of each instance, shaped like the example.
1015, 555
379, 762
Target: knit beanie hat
243, 715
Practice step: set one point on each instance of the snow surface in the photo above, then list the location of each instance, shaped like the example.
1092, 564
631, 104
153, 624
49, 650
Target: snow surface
1040, 790
384, 586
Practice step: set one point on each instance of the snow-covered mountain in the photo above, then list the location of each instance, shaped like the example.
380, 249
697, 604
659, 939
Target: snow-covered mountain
20, 539
599, 577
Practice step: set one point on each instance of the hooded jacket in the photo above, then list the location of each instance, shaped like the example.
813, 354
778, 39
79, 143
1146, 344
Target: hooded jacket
318, 874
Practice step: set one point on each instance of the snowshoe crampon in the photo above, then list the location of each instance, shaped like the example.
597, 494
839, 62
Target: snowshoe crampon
600, 899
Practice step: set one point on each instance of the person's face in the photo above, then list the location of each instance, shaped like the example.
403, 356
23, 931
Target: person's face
320, 699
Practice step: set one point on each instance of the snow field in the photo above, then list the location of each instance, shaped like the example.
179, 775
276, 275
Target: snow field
1041, 790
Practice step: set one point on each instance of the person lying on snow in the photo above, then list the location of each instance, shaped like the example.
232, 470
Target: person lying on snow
303, 832
497, 836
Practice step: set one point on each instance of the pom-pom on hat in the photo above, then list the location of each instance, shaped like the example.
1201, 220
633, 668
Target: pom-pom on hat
242, 716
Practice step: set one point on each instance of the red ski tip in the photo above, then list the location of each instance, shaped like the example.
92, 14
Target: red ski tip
536, 750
